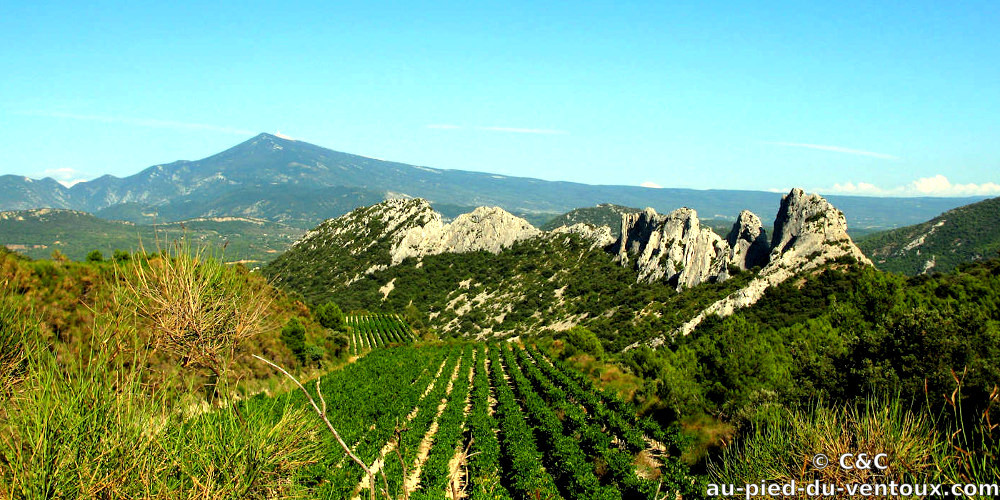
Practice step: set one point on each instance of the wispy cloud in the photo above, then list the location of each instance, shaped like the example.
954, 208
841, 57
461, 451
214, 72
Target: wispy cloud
835, 149
65, 176
512, 130
142, 122
515, 130
651, 184
937, 185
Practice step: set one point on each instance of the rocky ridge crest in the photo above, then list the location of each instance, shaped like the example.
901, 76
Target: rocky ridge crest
808, 232
599, 236
673, 247
485, 228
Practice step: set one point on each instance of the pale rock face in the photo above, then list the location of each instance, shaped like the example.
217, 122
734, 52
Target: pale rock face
362, 228
806, 224
808, 232
748, 245
486, 228
671, 247
600, 236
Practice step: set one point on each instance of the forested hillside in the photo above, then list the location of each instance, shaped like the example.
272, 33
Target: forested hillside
543, 283
963, 234
605, 214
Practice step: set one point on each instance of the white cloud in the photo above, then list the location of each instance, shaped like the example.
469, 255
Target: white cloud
859, 188
283, 136
650, 184
512, 130
940, 186
937, 185
65, 176
143, 122
515, 130
835, 149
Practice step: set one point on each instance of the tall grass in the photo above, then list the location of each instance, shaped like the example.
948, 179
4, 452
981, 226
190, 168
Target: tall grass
94, 428
922, 447
14, 338
782, 443
973, 438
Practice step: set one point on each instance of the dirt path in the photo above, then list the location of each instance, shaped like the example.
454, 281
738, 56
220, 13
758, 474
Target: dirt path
365, 482
424, 449
491, 398
456, 481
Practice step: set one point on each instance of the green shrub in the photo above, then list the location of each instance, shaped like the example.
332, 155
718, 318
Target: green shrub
581, 340
293, 334
330, 316
95, 256
313, 353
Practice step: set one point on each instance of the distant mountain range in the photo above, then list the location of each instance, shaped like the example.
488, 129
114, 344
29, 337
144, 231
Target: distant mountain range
301, 184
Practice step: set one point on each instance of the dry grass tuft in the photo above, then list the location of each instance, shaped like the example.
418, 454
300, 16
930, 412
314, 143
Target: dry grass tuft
197, 308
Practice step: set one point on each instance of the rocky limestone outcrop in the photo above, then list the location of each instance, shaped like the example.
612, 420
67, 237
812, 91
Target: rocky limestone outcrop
807, 224
374, 238
485, 228
808, 232
364, 227
599, 236
747, 240
672, 247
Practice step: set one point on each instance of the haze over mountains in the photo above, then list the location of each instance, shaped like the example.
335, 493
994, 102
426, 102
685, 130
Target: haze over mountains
301, 184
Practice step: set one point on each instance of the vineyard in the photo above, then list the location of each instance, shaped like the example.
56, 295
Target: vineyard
369, 331
485, 421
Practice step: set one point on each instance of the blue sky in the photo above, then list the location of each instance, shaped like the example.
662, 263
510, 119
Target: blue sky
897, 98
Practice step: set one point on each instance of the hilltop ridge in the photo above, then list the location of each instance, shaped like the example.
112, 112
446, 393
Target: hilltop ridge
302, 184
489, 264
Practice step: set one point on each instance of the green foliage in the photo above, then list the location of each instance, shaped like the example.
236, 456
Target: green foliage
414, 317
961, 235
484, 466
672, 376
330, 316
293, 334
581, 340
338, 344
97, 432
740, 359
517, 290
834, 335
95, 256
605, 214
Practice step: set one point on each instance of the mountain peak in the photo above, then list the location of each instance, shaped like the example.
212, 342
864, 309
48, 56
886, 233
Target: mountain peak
275, 137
